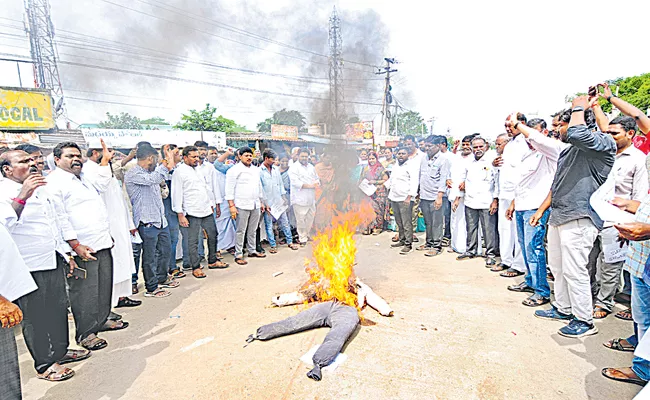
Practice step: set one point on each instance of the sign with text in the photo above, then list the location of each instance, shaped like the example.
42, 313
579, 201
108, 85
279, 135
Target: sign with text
25, 110
359, 131
284, 132
128, 138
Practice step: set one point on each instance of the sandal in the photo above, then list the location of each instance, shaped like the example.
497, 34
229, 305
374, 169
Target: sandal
257, 255
600, 312
177, 274
110, 325
499, 267
423, 247
273, 250
625, 315
294, 246
74, 356
93, 343
377, 231
218, 265
240, 261
395, 238
134, 289
535, 301
158, 293
169, 283
618, 374
197, 273
510, 273
615, 344
56, 373
366, 232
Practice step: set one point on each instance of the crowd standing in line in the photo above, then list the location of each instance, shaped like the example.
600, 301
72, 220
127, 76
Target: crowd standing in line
75, 236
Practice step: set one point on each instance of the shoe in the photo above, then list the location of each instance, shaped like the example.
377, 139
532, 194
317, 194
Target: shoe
126, 302
134, 289
406, 250
490, 262
415, 239
553, 314
522, 288
465, 256
114, 316
433, 252
398, 244
577, 329
446, 242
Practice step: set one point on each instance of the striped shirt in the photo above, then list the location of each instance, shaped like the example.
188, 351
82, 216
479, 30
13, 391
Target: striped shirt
638, 252
144, 190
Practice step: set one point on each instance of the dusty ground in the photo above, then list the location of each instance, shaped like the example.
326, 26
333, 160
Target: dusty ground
456, 334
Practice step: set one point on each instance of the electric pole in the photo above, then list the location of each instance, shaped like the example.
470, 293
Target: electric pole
336, 109
388, 97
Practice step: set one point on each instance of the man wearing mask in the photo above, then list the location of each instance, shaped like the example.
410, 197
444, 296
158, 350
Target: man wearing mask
403, 189
582, 168
83, 221
304, 181
27, 211
458, 225
481, 203
433, 185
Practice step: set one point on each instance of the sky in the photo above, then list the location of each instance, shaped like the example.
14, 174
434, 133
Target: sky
467, 63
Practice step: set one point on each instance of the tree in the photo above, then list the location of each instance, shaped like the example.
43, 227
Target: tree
154, 121
409, 123
284, 117
205, 120
122, 121
635, 90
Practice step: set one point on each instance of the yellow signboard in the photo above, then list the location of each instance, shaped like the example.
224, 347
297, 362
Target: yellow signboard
25, 109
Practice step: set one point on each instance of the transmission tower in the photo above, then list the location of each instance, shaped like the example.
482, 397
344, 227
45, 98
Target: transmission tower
43, 51
336, 111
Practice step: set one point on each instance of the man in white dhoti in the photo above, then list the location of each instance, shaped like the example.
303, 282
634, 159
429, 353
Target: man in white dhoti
225, 223
458, 226
99, 173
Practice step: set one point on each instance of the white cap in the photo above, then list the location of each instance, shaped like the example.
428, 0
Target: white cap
94, 143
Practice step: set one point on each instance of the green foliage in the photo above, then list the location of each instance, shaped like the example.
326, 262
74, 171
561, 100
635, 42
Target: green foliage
409, 123
206, 120
122, 121
154, 121
635, 90
284, 117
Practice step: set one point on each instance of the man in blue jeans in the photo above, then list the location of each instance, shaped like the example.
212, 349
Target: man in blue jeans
537, 165
143, 186
172, 218
275, 196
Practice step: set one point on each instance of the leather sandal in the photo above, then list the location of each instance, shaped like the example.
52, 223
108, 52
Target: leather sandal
240, 261
56, 373
197, 273
617, 374
294, 246
93, 343
114, 326
218, 265
615, 344
75, 356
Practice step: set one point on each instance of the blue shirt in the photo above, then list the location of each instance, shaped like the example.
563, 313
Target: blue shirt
272, 185
143, 188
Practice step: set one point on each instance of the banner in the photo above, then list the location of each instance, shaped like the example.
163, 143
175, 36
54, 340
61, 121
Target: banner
359, 131
25, 109
284, 132
128, 138
30, 137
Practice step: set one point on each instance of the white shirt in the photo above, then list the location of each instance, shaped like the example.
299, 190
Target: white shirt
15, 279
80, 211
479, 178
458, 164
302, 175
537, 169
416, 161
631, 175
209, 173
404, 181
190, 192
35, 232
510, 171
244, 187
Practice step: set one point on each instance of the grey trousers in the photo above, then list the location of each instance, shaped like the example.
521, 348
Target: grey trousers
403, 213
246, 222
195, 233
605, 277
90, 298
488, 227
9, 371
434, 221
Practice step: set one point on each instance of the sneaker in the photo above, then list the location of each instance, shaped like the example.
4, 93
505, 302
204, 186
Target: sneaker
553, 314
577, 329
406, 250
398, 244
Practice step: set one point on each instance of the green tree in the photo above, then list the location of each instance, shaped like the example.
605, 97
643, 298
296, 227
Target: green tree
154, 121
409, 123
206, 120
122, 121
284, 117
635, 90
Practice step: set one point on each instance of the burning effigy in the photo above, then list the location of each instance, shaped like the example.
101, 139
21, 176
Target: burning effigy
334, 286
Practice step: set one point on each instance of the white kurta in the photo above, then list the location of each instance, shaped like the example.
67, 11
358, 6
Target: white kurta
225, 224
120, 222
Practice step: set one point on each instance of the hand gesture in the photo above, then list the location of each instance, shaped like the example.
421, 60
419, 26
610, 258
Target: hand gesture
30, 185
607, 92
85, 252
498, 161
10, 314
72, 265
107, 155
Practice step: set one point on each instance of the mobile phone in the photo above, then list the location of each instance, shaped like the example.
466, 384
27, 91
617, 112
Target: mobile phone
79, 272
593, 91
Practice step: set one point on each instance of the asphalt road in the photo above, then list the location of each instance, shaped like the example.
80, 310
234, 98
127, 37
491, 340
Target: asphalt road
456, 334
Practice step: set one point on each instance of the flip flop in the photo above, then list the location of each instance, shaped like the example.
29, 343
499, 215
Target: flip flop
511, 273
621, 315
197, 273
218, 265
607, 373
599, 309
114, 326
240, 261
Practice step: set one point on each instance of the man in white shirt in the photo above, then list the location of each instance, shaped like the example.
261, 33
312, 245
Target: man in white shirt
29, 214
275, 196
403, 189
209, 174
98, 171
15, 282
191, 201
630, 178
245, 201
458, 225
83, 221
304, 182
478, 182
415, 156
508, 172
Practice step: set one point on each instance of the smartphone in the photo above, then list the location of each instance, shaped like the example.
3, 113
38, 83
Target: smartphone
593, 91
79, 272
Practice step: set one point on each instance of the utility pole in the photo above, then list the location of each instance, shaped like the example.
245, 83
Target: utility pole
43, 51
388, 97
336, 109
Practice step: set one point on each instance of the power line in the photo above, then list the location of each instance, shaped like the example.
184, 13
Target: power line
115, 102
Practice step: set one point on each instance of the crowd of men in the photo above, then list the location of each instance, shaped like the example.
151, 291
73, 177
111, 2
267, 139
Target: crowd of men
75, 235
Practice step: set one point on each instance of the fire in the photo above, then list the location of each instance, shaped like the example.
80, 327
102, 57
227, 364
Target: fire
331, 269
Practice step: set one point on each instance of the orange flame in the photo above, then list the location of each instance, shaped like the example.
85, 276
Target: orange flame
331, 269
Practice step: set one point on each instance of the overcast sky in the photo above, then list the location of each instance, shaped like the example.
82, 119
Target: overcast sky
466, 63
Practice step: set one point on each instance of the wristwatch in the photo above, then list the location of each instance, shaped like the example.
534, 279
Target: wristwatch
609, 98
577, 109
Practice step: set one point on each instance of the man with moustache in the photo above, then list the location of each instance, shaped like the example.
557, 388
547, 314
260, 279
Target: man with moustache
83, 222
403, 189
30, 217
458, 225
433, 177
36, 154
213, 154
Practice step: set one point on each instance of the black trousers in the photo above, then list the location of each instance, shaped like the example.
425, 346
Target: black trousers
9, 372
195, 232
90, 298
45, 317
488, 224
